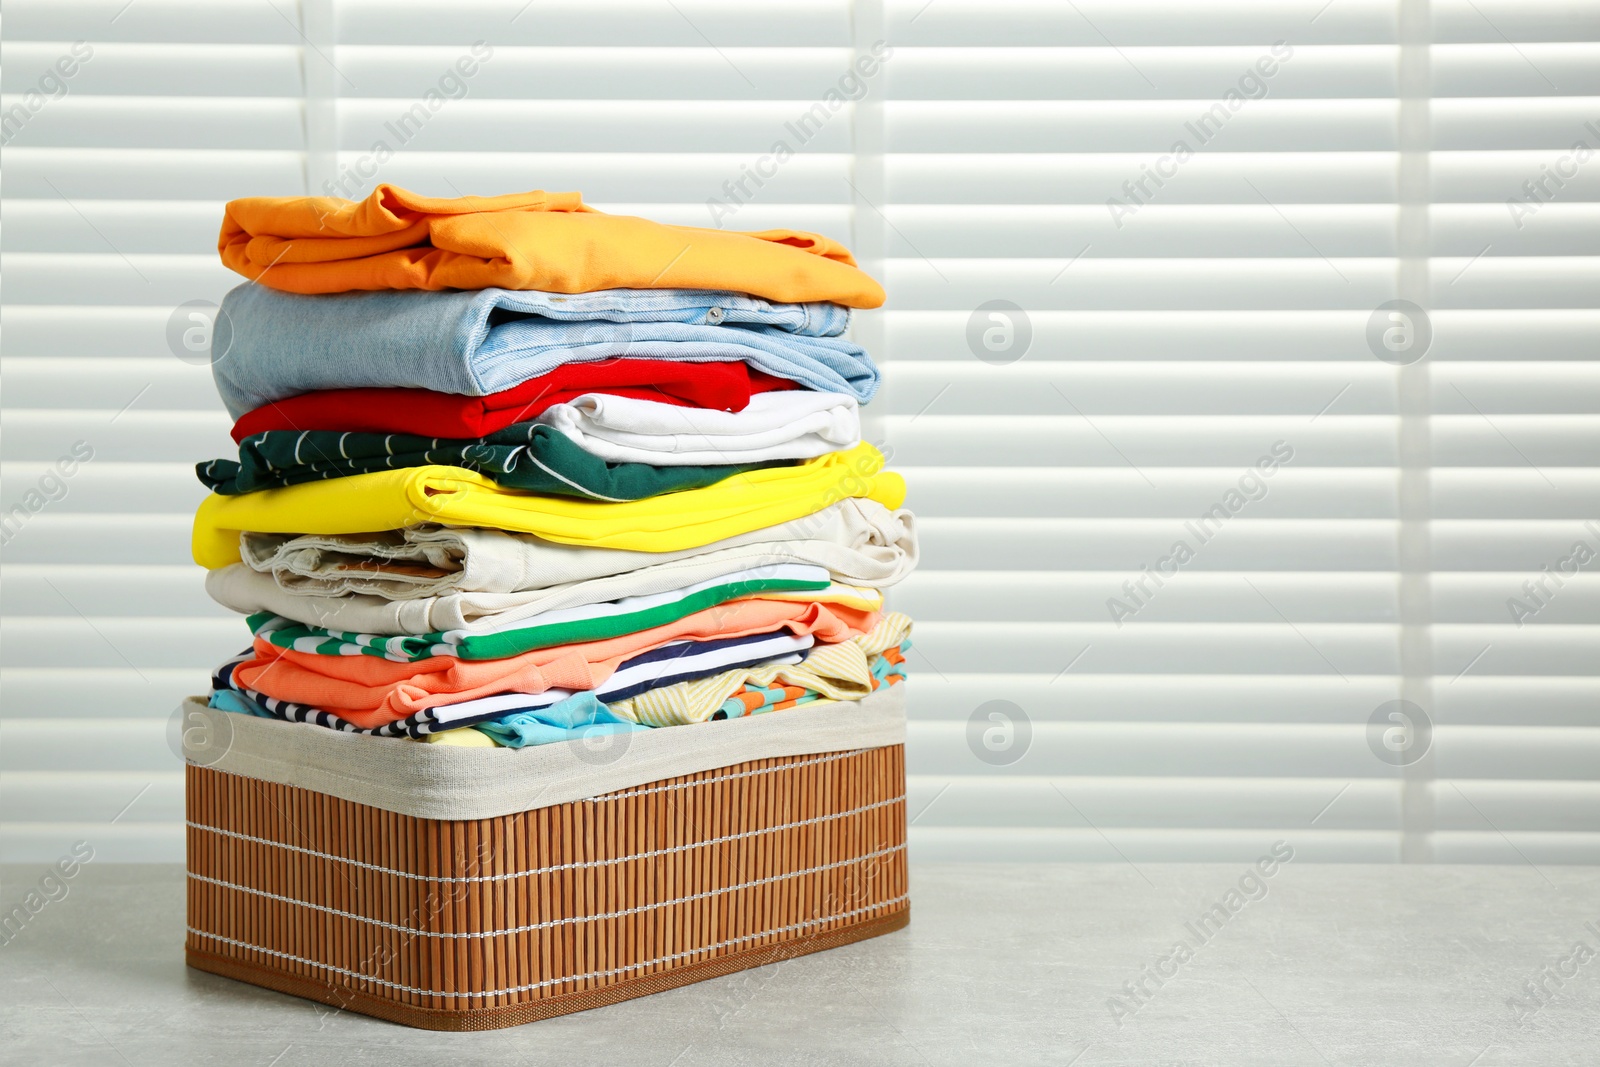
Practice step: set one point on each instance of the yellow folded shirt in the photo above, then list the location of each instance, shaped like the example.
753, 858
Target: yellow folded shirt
851, 596
392, 500
462, 737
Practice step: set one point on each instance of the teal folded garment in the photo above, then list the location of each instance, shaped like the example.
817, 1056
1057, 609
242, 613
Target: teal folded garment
238, 703
579, 717
525, 455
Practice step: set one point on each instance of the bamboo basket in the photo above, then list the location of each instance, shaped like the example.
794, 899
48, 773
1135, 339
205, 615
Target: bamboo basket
476, 924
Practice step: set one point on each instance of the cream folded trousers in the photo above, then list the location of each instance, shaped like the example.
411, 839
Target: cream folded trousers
429, 578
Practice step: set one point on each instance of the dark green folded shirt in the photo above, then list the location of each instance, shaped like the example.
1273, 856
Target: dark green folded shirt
525, 455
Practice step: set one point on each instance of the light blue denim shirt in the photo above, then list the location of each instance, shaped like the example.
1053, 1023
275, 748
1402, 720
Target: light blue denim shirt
268, 345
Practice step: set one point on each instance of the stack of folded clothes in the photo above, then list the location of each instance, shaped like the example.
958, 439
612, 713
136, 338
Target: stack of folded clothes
513, 471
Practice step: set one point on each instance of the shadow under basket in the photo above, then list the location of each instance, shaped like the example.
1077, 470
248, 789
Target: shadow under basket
567, 903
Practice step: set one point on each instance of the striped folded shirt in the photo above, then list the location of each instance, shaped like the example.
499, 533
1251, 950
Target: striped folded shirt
587, 622
669, 664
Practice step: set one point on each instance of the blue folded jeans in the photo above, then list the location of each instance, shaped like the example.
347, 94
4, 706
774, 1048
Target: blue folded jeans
268, 345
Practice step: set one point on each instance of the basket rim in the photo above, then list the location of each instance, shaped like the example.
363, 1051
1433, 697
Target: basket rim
456, 783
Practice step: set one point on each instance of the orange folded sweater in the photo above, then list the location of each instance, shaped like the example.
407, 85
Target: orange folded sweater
370, 691
552, 242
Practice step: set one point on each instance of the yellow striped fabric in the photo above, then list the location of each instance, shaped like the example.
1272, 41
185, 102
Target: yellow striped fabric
839, 672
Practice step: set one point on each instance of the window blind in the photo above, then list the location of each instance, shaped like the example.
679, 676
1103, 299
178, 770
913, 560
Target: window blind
1097, 346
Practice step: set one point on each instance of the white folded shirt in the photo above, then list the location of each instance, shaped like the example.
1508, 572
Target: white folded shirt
787, 424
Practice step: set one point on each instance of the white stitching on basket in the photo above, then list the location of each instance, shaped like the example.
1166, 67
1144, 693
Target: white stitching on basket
580, 865
549, 981
606, 797
549, 923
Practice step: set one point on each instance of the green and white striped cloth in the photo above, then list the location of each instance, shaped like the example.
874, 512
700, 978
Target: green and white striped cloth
590, 622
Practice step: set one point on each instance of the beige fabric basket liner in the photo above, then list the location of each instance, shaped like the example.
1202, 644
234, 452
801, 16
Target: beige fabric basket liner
449, 782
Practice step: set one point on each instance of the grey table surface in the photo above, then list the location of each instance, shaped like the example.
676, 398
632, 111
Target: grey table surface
1014, 964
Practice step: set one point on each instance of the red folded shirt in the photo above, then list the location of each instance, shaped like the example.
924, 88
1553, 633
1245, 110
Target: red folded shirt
723, 386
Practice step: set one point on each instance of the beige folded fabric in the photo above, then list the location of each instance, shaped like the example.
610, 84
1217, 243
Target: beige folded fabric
433, 578
450, 782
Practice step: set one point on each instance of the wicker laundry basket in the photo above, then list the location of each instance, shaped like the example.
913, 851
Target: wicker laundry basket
468, 889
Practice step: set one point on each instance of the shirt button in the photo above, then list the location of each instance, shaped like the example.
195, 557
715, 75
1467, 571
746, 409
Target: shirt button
713, 315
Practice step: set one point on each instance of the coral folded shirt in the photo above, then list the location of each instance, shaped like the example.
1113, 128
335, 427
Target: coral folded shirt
371, 692
395, 239
425, 413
